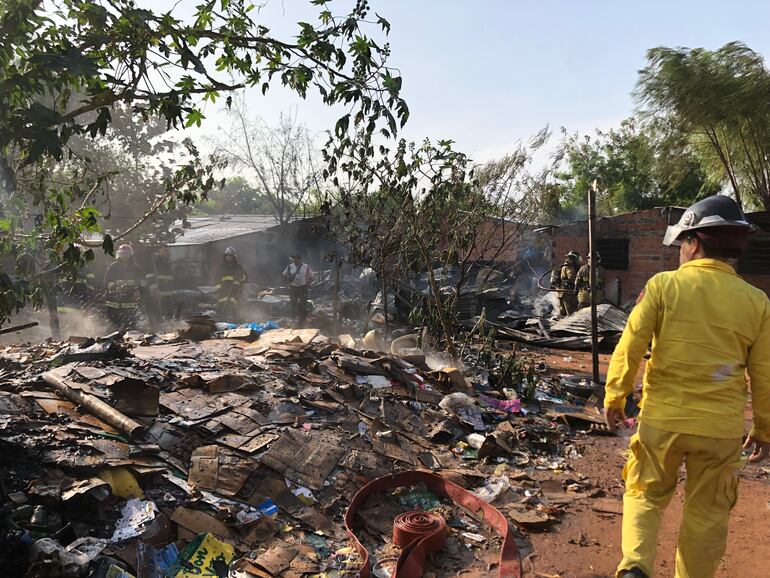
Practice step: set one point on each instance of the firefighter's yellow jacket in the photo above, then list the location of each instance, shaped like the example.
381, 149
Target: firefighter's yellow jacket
708, 328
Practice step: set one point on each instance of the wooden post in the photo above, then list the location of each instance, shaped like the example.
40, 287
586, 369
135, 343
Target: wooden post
337, 266
53, 313
385, 299
592, 270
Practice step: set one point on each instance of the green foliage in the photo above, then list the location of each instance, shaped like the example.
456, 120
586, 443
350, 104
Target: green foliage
721, 100
236, 197
636, 166
420, 207
67, 67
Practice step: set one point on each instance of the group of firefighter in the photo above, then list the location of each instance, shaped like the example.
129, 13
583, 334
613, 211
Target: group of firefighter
128, 289
572, 281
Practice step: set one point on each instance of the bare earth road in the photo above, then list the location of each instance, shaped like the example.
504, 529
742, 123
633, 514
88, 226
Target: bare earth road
586, 544
559, 552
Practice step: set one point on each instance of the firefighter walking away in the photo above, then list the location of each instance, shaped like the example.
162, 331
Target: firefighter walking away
708, 329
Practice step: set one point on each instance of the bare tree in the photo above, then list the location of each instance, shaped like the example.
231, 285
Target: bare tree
282, 161
428, 206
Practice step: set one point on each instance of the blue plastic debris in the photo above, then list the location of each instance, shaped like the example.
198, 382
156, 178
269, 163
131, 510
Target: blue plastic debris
268, 508
260, 327
162, 560
255, 327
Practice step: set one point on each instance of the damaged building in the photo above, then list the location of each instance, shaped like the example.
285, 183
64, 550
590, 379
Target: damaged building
632, 251
263, 245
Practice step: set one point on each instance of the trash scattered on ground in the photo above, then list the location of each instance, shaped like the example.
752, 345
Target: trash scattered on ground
153, 456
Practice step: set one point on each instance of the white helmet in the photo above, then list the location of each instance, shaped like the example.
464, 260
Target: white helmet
230, 251
125, 251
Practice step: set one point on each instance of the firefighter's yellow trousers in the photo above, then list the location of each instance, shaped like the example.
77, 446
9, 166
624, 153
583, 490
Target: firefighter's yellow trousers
651, 474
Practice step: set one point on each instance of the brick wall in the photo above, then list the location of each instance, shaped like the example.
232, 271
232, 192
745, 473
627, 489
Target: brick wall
647, 255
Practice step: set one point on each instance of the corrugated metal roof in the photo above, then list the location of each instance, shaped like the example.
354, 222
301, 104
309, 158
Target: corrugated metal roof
609, 318
212, 228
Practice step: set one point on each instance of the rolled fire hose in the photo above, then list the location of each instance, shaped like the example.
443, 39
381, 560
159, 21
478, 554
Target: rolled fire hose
412, 526
428, 531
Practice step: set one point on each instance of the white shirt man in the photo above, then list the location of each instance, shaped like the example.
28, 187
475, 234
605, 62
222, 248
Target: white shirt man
298, 274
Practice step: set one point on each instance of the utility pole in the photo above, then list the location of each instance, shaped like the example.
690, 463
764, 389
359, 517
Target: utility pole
592, 270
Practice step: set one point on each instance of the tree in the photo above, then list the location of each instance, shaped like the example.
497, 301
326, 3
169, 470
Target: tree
281, 160
638, 166
160, 66
236, 197
721, 100
132, 161
425, 206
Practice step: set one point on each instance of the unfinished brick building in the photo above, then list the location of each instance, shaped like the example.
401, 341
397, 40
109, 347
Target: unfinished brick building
632, 250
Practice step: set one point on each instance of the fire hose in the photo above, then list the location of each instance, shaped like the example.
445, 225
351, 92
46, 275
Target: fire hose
421, 533
551, 289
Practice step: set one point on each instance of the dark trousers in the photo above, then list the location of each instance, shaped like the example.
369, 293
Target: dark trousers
122, 319
298, 297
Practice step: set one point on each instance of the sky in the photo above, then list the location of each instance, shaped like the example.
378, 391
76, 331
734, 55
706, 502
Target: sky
490, 73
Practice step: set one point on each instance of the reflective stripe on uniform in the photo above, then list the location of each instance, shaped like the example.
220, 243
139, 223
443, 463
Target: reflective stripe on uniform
227, 278
116, 305
125, 282
223, 299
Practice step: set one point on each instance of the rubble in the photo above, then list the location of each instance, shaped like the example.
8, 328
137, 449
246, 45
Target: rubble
244, 454
571, 332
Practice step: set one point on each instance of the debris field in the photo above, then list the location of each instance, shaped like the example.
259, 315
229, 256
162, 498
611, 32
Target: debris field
277, 452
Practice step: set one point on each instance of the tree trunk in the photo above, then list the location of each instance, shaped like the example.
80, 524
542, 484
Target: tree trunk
436, 292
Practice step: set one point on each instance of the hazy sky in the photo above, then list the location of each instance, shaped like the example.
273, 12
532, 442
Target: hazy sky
486, 73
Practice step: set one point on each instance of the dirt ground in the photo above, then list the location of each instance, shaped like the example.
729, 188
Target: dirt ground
586, 544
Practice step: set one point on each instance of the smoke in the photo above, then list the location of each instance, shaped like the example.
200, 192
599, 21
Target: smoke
83, 325
70, 325
545, 305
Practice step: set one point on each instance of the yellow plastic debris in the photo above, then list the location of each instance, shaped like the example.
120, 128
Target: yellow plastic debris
122, 482
204, 556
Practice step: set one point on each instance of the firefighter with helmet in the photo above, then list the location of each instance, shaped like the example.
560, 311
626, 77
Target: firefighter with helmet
583, 282
709, 329
123, 282
563, 279
160, 279
232, 277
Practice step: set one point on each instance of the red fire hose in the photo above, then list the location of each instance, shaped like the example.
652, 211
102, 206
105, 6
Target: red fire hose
420, 533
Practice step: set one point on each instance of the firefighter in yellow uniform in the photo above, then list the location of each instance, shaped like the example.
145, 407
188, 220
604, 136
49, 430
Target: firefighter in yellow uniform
708, 329
583, 282
563, 278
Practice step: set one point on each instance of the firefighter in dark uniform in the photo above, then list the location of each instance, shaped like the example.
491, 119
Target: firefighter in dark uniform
563, 278
162, 282
123, 282
232, 277
76, 293
583, 282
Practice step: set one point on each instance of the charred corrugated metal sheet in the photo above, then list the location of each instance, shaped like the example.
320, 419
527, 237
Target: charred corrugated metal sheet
610, 319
